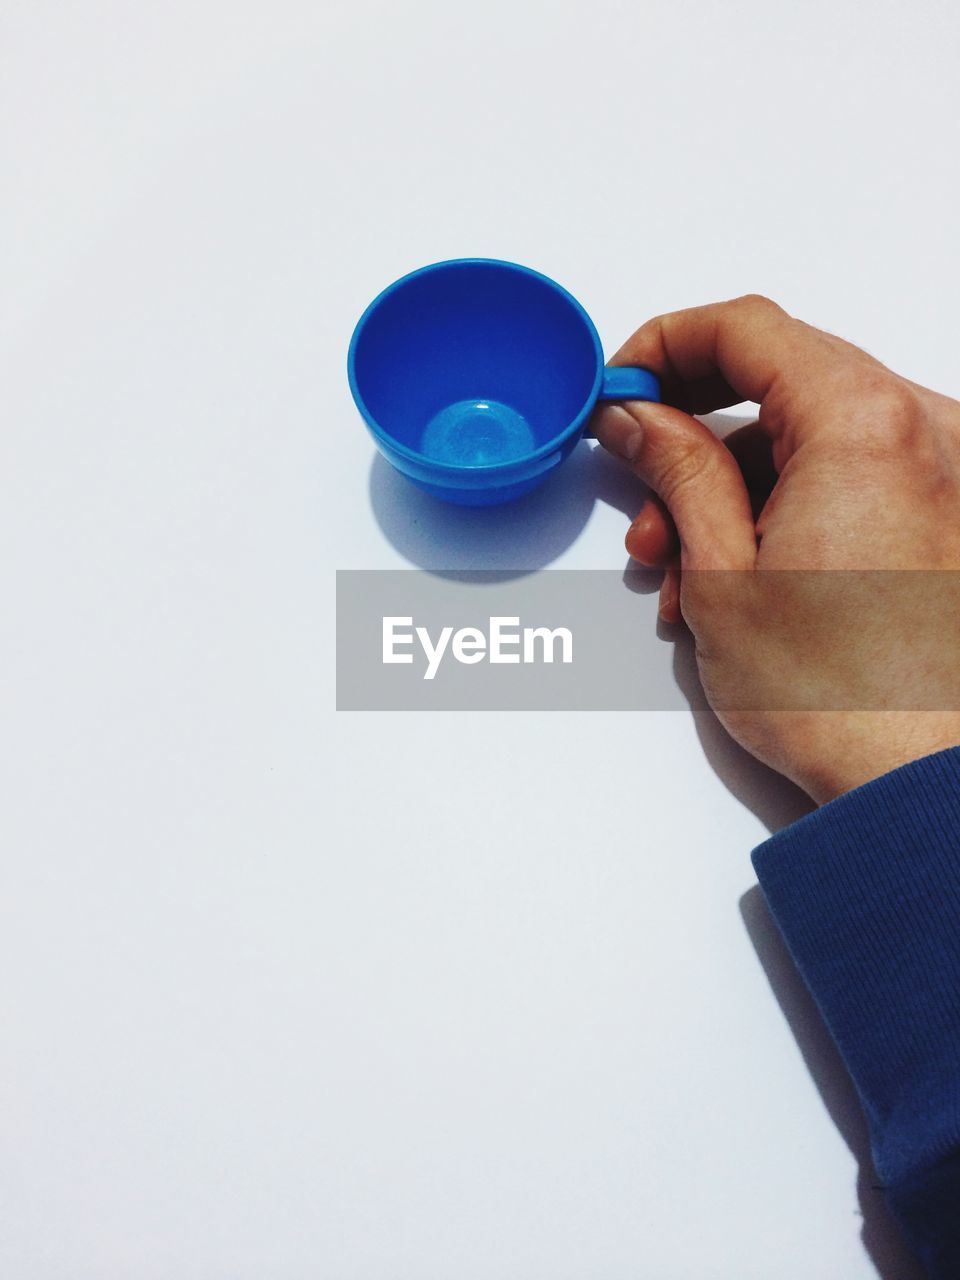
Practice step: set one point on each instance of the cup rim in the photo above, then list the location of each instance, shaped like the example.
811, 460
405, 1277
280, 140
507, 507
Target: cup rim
485, 468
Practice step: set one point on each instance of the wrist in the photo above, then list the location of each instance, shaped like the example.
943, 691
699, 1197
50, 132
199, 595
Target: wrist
866, 745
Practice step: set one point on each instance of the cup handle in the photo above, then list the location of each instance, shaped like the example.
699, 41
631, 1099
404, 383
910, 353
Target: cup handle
621, 383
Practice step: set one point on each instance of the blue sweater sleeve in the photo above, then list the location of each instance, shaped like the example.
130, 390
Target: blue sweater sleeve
866, 892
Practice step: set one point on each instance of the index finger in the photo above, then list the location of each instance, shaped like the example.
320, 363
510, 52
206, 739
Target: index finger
711, 357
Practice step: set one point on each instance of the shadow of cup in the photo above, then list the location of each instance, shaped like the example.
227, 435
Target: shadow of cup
518, 537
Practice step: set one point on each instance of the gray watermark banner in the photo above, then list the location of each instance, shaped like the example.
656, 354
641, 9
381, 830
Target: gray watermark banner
544, 641
561, 640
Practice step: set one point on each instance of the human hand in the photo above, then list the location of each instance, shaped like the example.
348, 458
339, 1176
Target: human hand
832, 678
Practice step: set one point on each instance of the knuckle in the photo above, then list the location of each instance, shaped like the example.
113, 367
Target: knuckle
889, 416
755, 303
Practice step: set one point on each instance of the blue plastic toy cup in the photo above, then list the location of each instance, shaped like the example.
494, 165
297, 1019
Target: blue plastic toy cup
477, 377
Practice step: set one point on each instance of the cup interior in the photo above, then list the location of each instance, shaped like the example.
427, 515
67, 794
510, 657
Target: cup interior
475, 363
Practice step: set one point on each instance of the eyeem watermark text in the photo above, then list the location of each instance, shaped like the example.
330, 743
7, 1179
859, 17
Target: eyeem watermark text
504, 641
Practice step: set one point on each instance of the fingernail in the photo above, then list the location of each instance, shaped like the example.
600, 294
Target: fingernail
630, 538
668, 606
633, 444
620, 433
641, 515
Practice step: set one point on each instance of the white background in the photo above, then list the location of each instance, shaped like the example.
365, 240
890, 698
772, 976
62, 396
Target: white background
286, 993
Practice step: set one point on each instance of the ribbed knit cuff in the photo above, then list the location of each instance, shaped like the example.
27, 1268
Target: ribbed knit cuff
866, 892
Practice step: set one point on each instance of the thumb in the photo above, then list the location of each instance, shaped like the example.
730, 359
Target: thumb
694, 475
